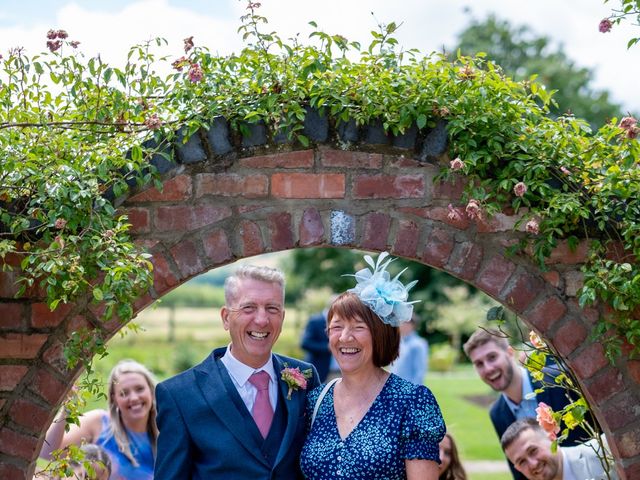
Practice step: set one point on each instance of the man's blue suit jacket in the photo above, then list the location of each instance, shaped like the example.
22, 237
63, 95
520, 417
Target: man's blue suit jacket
555, 397
206, 431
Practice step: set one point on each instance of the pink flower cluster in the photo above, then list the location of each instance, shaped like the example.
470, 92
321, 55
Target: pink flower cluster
520, 189
295, 379
532, 227
473, 209
55, 38
60, 223
153, 122
195, 73
546, 421
630, 126
605, 25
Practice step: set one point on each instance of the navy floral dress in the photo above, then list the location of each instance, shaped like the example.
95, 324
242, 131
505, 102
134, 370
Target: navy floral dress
403, 422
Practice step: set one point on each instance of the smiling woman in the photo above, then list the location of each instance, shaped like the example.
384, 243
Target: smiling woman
127, 431
371, 424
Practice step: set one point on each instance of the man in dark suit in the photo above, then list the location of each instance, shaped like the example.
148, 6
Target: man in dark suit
233, 415
495, 362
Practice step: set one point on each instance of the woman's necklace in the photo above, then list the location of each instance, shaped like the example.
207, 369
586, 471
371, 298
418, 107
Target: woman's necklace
353, 407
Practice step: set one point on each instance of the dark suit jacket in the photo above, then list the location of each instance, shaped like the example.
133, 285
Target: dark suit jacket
316, 343
556, 398
206, 431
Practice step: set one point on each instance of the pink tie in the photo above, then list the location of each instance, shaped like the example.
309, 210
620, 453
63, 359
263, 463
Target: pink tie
262, 411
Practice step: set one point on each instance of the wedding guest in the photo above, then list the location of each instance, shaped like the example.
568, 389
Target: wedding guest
238, 414
528, 447
127, 431
450, 467
370, 424
413, 360
494, 360
96, 464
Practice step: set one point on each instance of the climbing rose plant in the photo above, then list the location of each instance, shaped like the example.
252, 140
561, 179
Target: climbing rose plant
77, 134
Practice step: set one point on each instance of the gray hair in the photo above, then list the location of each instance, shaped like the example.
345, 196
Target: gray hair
253, 272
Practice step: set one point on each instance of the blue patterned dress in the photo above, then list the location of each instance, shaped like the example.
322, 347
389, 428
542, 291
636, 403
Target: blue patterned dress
403, 422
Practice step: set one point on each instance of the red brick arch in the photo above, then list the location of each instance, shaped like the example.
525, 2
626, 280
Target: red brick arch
210, 214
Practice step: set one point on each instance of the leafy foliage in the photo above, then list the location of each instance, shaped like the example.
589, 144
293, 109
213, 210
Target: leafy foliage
75, 135
523, 55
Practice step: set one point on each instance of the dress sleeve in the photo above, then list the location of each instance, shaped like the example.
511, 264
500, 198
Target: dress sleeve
423, 427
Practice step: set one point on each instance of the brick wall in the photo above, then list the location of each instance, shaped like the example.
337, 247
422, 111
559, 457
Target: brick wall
252, 201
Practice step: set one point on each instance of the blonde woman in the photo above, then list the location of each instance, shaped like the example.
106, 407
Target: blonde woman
127, 431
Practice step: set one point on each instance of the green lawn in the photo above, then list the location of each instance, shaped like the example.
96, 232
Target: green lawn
199, 330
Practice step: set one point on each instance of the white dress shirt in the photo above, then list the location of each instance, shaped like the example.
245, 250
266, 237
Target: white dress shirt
240, 373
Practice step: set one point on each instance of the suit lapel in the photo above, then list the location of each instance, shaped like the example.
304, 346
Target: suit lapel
225, 402
292, 408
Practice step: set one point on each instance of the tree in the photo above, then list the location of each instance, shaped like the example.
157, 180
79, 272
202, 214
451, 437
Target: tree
522, 54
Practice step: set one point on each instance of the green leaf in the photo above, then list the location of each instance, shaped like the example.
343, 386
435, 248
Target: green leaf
97, 294
421, 121
495, 313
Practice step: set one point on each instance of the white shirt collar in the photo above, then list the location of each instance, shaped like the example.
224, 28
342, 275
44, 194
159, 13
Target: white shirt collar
241, 372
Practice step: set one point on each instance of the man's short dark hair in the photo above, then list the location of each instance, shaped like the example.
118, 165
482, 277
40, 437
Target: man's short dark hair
516, 429
482, 336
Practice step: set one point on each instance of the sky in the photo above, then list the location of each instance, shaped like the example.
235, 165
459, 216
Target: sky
110, 27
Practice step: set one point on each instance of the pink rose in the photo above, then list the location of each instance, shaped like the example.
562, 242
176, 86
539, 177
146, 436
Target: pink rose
473, 209
633, 132
532, 227
520, 189
546, 421
605, 25
456, 164
565, 170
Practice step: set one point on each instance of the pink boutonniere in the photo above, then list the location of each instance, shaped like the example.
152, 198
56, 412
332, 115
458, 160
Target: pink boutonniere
295, 379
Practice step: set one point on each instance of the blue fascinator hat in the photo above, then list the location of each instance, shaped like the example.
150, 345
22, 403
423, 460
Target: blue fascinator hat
385, 296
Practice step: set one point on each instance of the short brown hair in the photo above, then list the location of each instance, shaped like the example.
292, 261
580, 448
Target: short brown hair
385, 338
516, 429
482, 336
